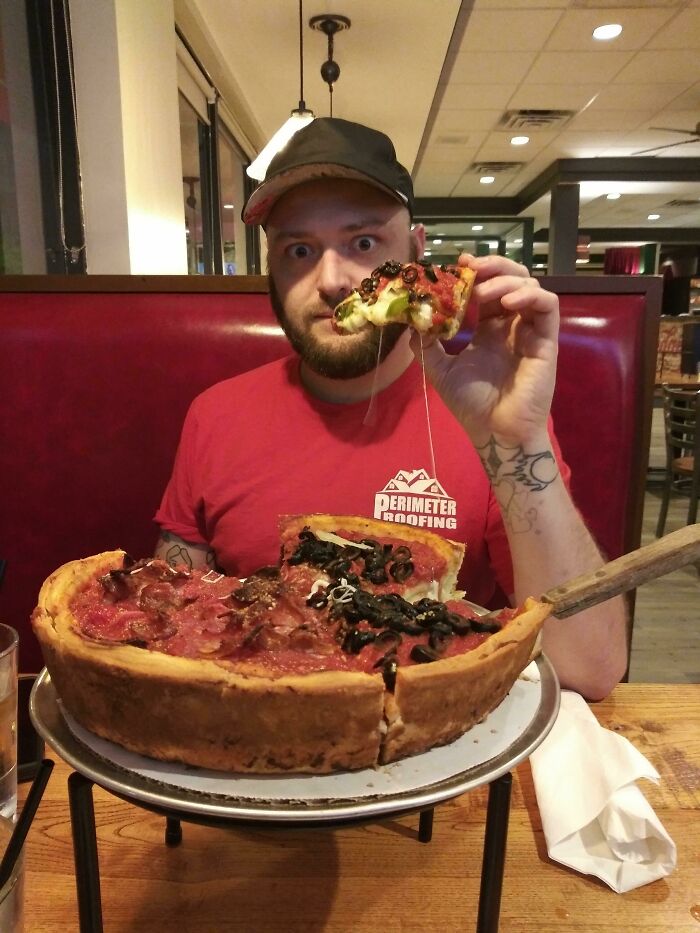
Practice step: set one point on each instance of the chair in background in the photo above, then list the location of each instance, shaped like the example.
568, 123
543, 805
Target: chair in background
682, 433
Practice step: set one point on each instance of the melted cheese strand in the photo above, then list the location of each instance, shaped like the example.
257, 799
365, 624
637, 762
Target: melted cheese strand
370, 415
427, 410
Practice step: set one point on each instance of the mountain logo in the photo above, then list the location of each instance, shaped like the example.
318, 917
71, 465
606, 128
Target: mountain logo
413, 497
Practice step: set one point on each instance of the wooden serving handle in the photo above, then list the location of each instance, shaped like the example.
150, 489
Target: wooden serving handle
626, 573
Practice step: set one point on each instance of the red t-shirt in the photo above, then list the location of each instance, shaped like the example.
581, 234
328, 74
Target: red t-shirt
259, 446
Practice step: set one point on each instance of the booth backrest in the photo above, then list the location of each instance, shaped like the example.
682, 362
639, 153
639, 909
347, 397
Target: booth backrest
96, 375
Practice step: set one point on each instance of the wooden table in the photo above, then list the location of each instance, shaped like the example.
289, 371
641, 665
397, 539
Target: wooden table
378, 877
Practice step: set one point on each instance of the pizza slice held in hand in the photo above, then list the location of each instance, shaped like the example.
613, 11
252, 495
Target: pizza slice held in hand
430, 299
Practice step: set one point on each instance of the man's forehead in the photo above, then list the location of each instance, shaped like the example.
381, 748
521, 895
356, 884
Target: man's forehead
350, 204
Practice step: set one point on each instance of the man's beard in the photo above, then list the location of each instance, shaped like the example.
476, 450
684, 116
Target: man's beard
359, 355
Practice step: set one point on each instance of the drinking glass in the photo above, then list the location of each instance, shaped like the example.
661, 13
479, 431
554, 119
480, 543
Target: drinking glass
8, 722
11, 892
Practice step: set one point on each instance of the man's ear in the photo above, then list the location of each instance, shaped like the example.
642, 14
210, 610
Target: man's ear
418, 239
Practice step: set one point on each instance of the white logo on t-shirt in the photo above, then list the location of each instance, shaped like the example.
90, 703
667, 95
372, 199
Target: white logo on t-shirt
413, 497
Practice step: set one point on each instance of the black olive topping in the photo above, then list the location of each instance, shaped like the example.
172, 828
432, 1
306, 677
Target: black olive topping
430, 274
388, 637
409, 274
387, 616
389, 670
356, 639
422, 654
401, 570
489, 627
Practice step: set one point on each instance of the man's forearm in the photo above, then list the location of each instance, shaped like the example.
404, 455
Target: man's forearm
549, 545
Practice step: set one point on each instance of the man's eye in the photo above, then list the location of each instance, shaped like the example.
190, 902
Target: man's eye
298, 251
365, 243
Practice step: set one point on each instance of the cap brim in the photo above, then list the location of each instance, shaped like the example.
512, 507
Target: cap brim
266, 195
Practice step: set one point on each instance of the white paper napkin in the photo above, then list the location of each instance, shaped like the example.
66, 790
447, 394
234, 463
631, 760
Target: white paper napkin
595, 818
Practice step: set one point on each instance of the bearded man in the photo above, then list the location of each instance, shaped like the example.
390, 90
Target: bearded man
348, 424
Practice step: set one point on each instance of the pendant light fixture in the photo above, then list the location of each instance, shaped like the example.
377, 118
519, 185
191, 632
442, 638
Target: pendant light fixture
330, 24
298, 118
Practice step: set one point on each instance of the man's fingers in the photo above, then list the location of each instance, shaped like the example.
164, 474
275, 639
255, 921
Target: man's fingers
492, 291
487, 267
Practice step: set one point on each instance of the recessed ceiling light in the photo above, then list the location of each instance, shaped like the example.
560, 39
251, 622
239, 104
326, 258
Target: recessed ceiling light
519, 140
608, 31
580, 262
477, 226
228, 207
427, 252
613, 196
518, 240
487, 179
653, 216
437, 242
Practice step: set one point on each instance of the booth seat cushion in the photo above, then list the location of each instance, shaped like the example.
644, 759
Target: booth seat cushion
94, 390
94, 387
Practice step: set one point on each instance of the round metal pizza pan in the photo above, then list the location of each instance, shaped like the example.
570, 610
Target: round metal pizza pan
49, 722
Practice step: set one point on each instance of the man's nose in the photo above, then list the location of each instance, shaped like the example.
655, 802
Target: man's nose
334, 281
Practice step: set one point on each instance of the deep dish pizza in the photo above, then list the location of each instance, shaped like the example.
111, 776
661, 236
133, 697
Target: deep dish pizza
353, 651
430, 299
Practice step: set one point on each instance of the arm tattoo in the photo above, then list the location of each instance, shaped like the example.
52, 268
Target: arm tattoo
515, 475
177, 554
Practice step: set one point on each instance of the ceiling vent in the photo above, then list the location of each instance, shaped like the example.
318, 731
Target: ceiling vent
680, 202
451, 140
535, 119
494, 168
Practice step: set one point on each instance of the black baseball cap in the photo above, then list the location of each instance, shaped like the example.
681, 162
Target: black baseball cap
331, 148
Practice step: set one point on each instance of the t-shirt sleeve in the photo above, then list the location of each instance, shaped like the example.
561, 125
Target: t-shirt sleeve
496, 538
181, 506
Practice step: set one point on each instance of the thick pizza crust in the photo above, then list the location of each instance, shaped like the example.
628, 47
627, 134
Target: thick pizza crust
440, 586
218, 715
202, 712
433, 704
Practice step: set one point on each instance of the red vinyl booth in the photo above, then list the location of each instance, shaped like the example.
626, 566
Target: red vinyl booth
97, 372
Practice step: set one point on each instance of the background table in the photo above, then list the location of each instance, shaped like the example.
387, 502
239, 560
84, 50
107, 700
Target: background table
378, 876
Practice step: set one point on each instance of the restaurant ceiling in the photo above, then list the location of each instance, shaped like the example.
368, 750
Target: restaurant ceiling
443, 78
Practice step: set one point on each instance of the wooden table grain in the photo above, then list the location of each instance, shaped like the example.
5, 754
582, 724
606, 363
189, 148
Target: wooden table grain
377, 877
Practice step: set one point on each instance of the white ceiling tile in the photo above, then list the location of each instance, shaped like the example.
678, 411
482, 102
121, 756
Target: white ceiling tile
479, 96
639, 96
683, 32
593, 119
520, 4
451, 153
664, 67
575, 28
483, 67
508, 30
498, 146
550, 96
469, 186
674, 119
431, 184
597, 67
577, 143
465, 120
689, 99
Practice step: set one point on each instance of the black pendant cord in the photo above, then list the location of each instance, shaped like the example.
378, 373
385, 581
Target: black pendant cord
302, 103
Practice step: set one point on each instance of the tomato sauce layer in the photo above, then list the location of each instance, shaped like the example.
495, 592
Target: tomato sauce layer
297, 624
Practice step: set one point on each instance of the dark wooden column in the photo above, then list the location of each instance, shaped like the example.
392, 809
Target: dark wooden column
563, 229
